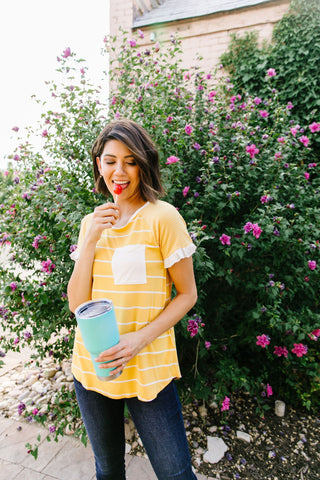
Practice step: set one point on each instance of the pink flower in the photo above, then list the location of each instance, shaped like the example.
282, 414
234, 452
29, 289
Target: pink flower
187, 76
140, 33
264, 199
248, 227
257, 100
252, 150
66, 53
277, 155
185, 191
269, 390
263, 113
280, 351
271, 72
306, 175
13, 286
314, 127
305, 140
47, 266
169, 119
294, 131
207, 345
225, 404
263, 340
132, 43
281, 139
312, 264
15, 129
172, 159
315, 334
35, 411
299, 349
256, 230
225, 239
188, 129
44, 133
193, 327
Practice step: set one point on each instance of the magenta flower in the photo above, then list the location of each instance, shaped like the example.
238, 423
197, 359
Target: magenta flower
314, 127
299, 349
47, 266
185, 191
252, 150
172, 159
280, 351
294, 131
66, 53
312, 264
52, 429
44, 133
169, 119
207, 345
306, 175
188, 129
269, 390
281, 139
277, 155
271, 72
315, 334
305, 140
225, 239
263, 113
263, 340
225, 404
35, 411
257, 100
37, 240
140, 33
13, 286
193, 327
248, 227
15, 129
256, 230
132, 43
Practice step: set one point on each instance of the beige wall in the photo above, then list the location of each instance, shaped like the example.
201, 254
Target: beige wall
208, 36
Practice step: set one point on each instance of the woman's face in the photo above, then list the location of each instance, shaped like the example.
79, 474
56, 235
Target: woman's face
118, 167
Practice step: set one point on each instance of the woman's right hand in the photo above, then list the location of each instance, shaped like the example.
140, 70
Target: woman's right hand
104, 216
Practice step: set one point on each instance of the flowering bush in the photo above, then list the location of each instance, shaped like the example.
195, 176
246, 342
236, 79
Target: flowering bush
237, 168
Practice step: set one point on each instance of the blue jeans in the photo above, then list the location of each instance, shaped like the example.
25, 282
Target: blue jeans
159, 424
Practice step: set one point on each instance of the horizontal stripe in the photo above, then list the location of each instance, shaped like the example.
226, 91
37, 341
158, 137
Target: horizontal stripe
126, 235
146, 292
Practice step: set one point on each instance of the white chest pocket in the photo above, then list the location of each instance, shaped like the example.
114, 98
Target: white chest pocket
129, 265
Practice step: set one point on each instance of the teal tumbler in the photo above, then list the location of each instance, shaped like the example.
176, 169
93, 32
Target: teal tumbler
99, 330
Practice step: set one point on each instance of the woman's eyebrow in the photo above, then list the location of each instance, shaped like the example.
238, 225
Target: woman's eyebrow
114, 156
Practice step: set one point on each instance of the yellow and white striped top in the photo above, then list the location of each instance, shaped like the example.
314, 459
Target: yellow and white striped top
130, 268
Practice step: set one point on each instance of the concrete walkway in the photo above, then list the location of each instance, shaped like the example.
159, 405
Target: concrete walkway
67, 459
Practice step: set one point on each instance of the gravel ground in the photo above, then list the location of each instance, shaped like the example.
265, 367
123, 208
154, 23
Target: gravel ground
285, 448
276, 448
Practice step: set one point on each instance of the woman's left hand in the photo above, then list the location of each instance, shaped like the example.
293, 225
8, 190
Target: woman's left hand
119, 355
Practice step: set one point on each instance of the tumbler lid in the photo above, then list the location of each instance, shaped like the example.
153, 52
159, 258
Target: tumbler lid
93, 308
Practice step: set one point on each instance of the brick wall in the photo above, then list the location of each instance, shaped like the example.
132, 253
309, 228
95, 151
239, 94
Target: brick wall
208, 36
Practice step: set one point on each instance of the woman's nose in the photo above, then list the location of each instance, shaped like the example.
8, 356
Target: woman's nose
120, 167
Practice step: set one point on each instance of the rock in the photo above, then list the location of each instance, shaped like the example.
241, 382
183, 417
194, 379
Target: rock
243, 436
213, 429
203, 411
128, 448
49, 373
216, 450
39, 387
280, 408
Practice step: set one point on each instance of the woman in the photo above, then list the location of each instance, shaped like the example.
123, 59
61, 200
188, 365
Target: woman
131, 251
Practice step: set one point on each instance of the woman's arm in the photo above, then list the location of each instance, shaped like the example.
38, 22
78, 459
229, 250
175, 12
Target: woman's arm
80, 283
132, 343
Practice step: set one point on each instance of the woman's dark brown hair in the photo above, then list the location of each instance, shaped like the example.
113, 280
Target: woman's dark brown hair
144, 151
